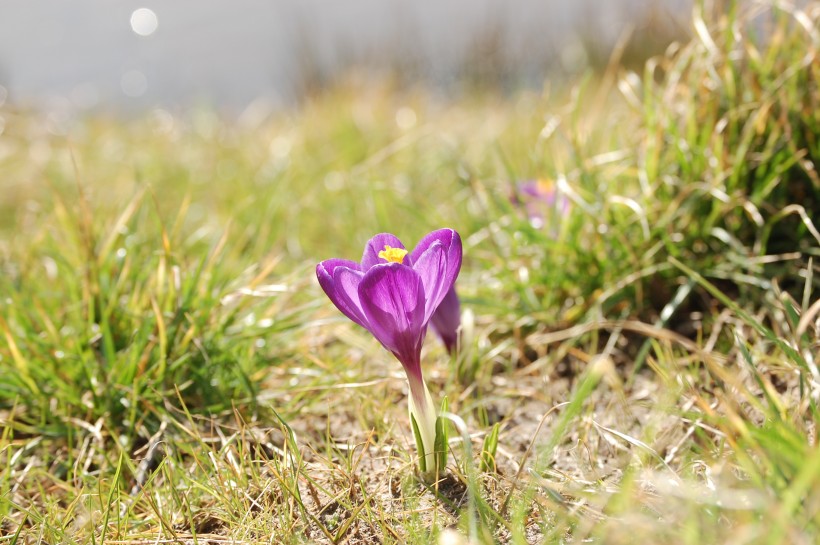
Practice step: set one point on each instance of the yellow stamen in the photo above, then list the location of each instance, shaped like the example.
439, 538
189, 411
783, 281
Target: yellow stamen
396, 255
544, 186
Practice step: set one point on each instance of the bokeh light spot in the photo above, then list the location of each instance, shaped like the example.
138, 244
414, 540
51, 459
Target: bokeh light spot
144, 21
405, 118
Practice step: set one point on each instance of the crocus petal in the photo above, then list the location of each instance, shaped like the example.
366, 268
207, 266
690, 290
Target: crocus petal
392, 298
340, 280
451, 243
347, 282
446, 320
376, 245
329, 265
431, 266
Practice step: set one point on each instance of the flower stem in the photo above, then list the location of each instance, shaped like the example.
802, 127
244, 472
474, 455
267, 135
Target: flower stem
423, 418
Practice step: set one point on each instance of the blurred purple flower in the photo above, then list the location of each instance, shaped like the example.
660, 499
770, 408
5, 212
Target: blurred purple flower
393, 294
447, 319
541, 201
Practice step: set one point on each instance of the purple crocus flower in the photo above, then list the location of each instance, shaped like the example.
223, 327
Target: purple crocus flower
447, 319
393, 294
540, 198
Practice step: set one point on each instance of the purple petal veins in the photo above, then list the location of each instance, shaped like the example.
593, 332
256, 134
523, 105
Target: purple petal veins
392, 297
431, 266
339, 279
451, 243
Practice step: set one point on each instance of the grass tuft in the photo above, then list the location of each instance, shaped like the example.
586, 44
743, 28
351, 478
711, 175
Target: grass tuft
638, 365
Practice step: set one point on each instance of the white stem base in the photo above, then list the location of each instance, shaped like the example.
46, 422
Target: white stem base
424, 413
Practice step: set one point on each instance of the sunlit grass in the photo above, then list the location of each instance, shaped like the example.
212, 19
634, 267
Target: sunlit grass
171, 372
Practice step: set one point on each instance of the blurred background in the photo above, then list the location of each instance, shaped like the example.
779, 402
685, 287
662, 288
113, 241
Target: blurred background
126, 57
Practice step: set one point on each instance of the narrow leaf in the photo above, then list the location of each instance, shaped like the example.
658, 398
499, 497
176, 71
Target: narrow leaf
419, 444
